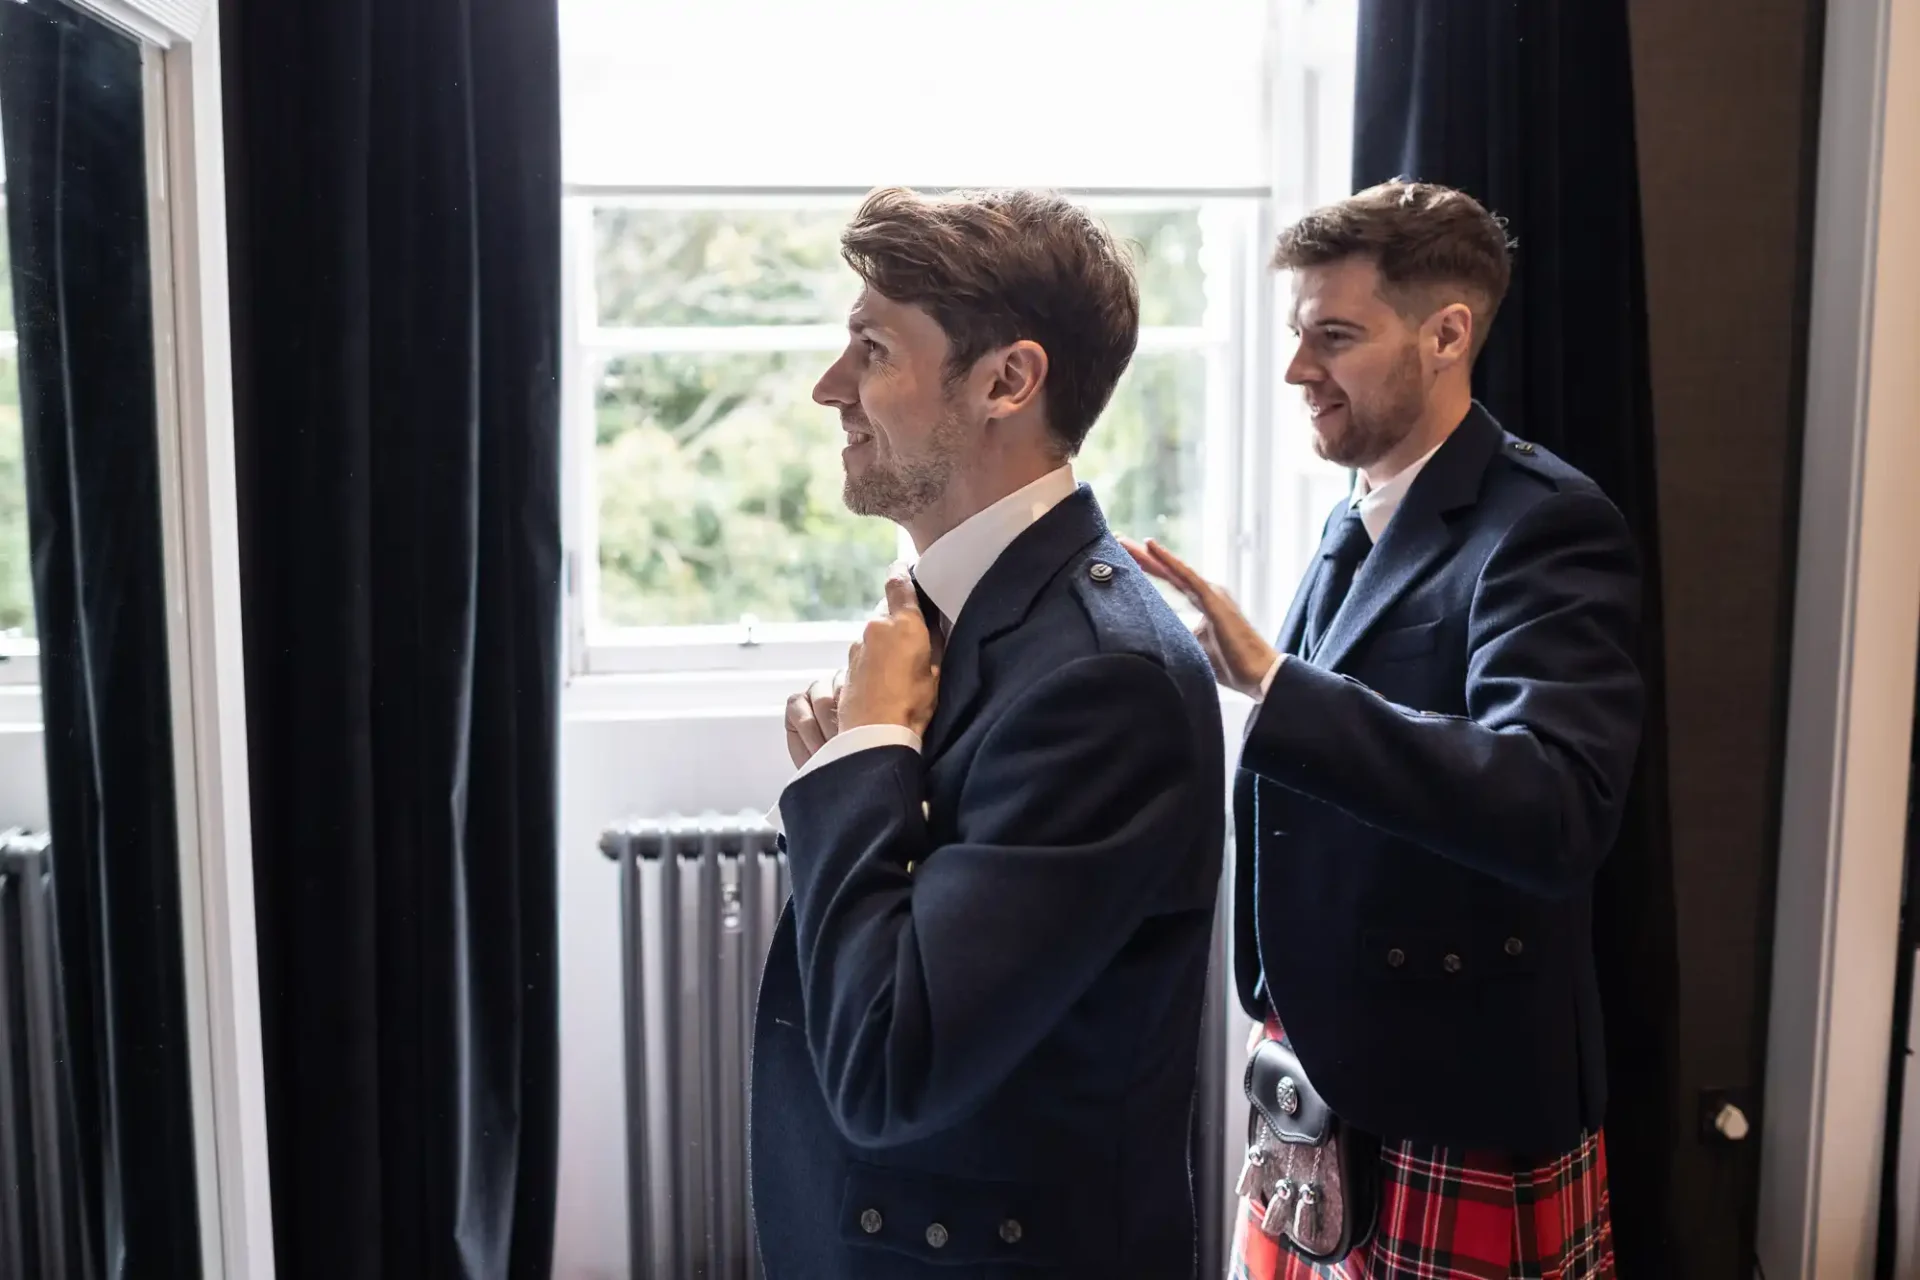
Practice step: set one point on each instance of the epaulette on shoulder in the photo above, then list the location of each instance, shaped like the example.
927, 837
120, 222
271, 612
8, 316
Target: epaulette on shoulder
1117, 597
1541, 463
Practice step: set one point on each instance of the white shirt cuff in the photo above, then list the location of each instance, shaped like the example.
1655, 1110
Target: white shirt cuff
843, 744
1266, 681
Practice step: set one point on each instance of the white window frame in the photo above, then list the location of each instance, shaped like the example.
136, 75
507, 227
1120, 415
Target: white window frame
19, 655
19, 664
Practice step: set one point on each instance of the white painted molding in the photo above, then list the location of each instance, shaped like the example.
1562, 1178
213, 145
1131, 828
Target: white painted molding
1850, 699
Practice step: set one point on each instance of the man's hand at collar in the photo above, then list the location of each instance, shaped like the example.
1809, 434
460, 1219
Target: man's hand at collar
893, 674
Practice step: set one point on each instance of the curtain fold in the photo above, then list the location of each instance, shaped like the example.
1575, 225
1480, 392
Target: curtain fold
73, 120
1528, 106
394, 187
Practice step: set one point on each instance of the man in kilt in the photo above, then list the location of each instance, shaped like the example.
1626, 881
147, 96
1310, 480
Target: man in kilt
1435, 769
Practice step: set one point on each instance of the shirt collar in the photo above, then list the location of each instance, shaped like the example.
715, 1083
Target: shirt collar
1376, 506
952, 567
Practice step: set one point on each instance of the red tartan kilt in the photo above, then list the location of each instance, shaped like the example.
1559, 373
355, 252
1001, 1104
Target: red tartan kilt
1462, 1215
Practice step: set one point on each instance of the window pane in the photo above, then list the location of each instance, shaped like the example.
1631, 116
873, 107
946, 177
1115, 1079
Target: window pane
1166, 255
716, 267
16, 580
672, 267
719, 495
1143, 457
1155, 93
6, 274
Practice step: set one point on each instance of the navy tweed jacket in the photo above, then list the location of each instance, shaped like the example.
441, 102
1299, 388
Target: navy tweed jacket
1422, 805
975, 1050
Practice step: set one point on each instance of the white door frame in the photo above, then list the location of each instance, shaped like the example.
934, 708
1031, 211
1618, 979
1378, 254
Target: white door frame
187, 235
1850, 698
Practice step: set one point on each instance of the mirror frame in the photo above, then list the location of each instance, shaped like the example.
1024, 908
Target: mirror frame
193, 363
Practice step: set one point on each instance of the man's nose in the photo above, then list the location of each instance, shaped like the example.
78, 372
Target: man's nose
1302, 370
835, 388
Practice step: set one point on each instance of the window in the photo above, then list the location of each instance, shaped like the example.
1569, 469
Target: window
19, 650
708, 177
710, 484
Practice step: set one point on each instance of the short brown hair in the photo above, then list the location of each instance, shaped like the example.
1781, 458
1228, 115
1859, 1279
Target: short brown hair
996, 267
1421, 236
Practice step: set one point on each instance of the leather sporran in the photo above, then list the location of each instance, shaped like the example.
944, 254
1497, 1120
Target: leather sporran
1318, 1178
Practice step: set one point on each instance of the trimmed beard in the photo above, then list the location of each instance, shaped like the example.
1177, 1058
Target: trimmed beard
899, 489
1383, 422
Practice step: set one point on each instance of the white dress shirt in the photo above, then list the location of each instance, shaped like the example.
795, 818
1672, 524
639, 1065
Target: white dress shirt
948, 571
1376, 507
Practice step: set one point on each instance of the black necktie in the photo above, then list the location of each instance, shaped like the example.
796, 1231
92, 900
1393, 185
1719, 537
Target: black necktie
1345, 548
936, 621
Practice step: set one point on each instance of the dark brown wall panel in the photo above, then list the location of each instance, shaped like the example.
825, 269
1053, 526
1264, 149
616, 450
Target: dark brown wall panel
1725, 129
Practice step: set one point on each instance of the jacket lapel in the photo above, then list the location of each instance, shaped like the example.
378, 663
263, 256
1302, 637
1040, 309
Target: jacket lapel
1293, 631
1001, 601
1417, 537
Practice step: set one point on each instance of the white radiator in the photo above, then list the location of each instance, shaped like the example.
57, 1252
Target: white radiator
36, 1228
699, 899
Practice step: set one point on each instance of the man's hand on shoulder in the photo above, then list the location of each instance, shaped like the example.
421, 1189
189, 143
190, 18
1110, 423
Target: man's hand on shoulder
1240, 655
893, 674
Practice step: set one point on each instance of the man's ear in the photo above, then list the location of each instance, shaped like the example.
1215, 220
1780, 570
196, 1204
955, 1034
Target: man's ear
1451, 329
1017, 375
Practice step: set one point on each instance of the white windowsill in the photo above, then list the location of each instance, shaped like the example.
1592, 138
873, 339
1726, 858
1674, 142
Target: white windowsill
704, 695
683, 695
20, 708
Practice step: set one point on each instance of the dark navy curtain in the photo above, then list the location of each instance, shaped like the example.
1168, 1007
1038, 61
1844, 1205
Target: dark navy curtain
394, 177
1528, 106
